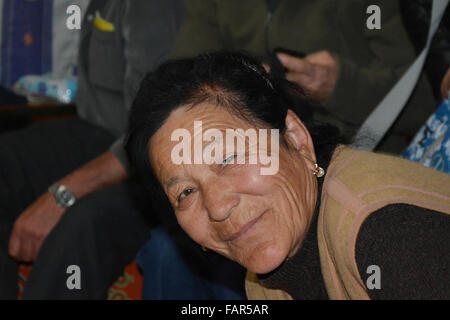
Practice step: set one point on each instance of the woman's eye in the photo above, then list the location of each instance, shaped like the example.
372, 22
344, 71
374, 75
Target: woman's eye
184, 194
228, 160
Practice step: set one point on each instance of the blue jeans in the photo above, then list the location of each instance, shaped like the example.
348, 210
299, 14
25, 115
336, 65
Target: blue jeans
176, 273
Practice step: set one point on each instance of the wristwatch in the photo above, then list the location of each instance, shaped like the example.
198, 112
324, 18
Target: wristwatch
64, 197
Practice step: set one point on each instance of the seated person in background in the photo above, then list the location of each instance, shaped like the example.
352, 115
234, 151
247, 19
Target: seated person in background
416, 16
328, 222
93, 216
349, 67
99, 227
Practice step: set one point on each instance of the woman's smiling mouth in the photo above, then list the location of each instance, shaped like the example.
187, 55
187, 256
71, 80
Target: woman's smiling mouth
244, 230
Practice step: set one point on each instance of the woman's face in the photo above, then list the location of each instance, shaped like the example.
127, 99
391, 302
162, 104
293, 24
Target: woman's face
256, 220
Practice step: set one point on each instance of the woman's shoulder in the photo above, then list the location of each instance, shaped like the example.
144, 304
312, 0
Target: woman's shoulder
362, 172
358, 186
362, 182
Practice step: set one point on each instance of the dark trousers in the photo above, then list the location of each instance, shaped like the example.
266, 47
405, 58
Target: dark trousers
101, 233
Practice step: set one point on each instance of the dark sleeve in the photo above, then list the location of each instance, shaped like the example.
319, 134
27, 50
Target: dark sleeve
411, 246
149, 29
200, 31
391, 55
416, 17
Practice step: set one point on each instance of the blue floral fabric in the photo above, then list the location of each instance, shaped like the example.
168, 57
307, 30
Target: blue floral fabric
431, 145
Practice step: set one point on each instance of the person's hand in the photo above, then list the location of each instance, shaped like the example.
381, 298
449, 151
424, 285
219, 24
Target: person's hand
32, 227
317, 73
36, 222
445, 85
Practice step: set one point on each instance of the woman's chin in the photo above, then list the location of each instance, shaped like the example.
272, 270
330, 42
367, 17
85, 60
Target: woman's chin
266, 260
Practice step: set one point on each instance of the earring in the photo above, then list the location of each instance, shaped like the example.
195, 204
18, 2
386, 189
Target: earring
319, 171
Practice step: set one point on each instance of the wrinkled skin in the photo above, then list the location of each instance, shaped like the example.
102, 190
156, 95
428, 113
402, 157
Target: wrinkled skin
445, 85
256, 220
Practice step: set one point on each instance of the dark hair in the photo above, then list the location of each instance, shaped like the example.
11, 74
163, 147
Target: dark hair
228, 79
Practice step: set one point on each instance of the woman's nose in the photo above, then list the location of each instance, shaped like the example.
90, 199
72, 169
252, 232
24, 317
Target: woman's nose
219, 202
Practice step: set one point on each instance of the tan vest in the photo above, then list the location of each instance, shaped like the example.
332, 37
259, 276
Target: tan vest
357, 184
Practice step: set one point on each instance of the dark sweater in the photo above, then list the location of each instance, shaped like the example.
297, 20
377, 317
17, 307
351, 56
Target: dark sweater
410, 244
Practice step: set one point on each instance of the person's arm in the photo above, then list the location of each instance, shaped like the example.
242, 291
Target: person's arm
101, 172
200, 31
445, 85
148, 30
316, 73
351, 90
410, 245
417, 17
359, 88
34, 224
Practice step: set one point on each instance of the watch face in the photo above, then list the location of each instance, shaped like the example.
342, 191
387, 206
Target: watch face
66, 197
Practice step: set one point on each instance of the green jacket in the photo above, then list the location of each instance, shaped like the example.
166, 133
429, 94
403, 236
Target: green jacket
371, 61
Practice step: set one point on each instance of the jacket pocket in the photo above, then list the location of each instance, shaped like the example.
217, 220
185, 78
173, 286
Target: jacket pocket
106, 63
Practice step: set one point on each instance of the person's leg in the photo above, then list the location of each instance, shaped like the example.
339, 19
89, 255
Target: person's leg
8, 267
30, 160
175, 268
100, 234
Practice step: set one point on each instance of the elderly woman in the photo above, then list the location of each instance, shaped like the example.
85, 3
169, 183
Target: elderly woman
322, 221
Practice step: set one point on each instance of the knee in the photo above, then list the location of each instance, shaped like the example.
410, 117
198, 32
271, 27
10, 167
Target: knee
159, 245
81, 220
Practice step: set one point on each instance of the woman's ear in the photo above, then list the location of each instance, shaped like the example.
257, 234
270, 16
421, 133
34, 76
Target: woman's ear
298, 136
